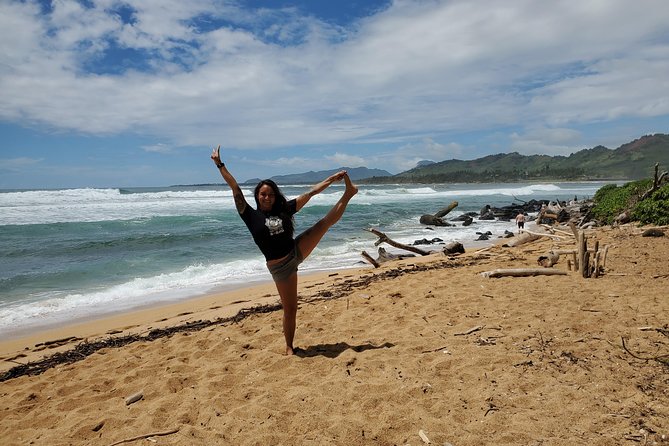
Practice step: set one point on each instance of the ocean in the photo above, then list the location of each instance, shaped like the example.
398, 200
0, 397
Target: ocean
74, 254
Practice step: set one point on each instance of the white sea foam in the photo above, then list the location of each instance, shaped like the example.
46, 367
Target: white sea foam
192, 281
394, 209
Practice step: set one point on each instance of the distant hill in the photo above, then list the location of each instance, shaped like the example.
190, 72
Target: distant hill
312, 177
630, 161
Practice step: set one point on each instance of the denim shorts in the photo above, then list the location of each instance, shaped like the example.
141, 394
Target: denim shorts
285, 269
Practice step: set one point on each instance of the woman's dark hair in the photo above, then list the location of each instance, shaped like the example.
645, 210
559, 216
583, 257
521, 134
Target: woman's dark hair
280, 207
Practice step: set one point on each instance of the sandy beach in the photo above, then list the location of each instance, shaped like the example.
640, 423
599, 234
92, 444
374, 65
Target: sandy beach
424, 350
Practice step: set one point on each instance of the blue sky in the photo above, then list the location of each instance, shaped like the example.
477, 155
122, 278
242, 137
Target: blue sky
110, 93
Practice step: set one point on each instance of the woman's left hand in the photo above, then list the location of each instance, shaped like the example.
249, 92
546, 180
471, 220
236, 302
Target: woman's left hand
216, 155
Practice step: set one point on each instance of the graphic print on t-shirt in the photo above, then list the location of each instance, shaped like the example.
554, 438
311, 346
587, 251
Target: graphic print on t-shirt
274, 224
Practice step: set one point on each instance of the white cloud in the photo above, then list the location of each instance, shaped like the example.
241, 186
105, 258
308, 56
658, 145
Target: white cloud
415, 69
556, 141
158, 148
345, 160
11, 163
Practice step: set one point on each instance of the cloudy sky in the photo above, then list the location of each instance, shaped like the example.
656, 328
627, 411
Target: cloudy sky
113, 93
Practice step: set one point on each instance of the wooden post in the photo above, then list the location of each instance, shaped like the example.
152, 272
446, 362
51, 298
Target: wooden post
581, 253
606, 251
586, 264
595, 258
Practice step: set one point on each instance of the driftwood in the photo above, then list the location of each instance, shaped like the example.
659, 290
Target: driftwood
553, 236
436, 219
549, 259
141, 437
657, 182
384, 238
523, 272
521, 239
384, 256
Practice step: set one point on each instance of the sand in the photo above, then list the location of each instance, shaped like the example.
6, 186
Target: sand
415, 351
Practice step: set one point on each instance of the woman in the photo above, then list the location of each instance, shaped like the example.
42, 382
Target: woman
271, 226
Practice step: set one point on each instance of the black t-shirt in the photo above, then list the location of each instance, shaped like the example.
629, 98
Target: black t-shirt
268, 231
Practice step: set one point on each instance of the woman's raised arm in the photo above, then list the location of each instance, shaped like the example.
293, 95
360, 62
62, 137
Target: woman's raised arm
240, 201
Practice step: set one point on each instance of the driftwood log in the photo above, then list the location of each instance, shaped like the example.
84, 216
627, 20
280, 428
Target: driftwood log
523, 272
383, 238
657, 182
521, 239
385, 256
437, 219
549, 259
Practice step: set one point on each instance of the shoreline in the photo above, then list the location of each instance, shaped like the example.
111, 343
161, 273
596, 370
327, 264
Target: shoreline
153, 315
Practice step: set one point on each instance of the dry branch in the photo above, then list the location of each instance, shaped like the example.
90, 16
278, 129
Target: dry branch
523, 272
384, 238
141, 437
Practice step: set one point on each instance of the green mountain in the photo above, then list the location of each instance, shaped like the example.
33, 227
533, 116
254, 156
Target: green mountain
630, 161
311, 177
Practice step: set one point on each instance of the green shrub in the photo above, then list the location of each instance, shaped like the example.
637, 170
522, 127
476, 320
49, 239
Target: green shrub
611, 200
654, 209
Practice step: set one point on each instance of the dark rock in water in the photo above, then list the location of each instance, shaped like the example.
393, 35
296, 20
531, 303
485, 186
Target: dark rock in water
483, 237
468, 221
653, 232
428, 219
490, 215
465, 216
454, 248
484, 233
508, 234
426, 241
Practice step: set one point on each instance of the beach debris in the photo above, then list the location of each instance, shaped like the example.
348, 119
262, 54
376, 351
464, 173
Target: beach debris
141, 437
134, 398
662, 359
423, 437
425, 241
523, 272
385, 256
56, 343
470, 331
384, 238
549, 259
652, 232
521, 239
98, 426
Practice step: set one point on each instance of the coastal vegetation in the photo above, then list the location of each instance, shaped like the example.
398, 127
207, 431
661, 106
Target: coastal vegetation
645, 201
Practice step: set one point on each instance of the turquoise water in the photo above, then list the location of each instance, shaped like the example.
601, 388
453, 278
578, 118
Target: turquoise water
69, 254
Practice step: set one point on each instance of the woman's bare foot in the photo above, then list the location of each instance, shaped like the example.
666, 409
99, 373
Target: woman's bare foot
289, 351
351, 189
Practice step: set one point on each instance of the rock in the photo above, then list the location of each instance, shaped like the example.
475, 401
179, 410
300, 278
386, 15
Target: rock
454, 248
653, 232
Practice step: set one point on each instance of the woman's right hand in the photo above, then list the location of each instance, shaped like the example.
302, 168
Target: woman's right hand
216, 155
337, 176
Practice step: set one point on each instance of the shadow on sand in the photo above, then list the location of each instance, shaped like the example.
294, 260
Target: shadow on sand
334, 350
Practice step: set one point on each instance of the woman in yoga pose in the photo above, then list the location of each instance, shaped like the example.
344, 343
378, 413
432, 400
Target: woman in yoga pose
271, 225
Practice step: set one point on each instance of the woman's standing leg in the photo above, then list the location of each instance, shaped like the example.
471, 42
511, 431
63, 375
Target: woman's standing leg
308, 240
288, 292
